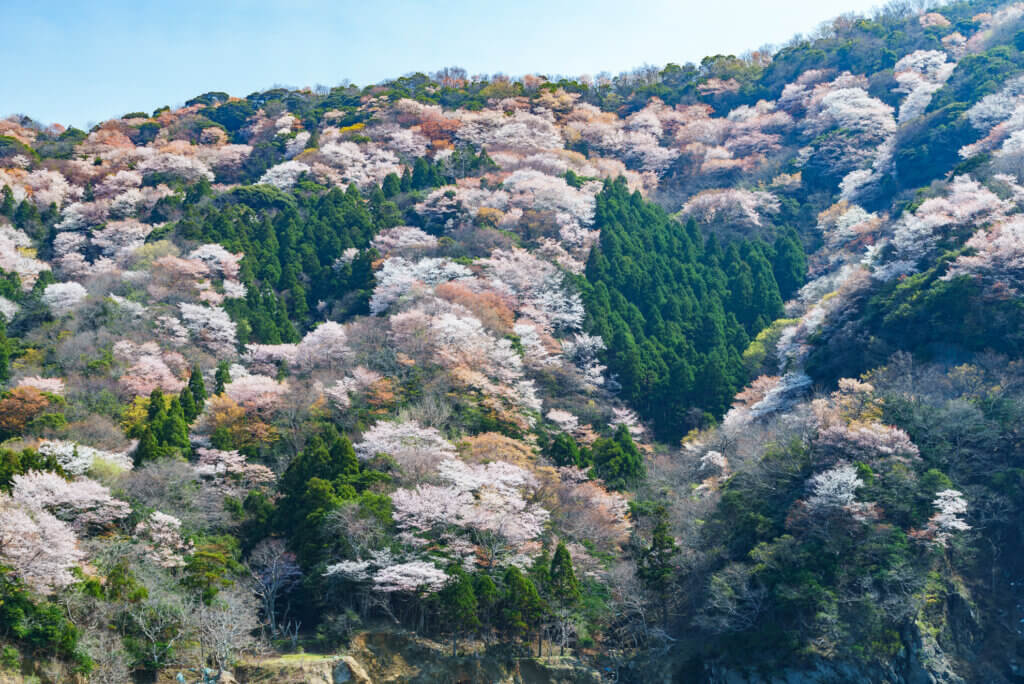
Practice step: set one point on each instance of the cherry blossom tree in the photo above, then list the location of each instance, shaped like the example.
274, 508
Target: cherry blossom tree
345, 162
211, 326
77, 459
14, 259
403, 240
148, 373
189, 169
218, 260
40, 549
62, 298
729, 205
920, 74
416, 449
286, 174
323, 347
49, 385
398, 275
161, 535
257, 393
833, 490
997, 259
950, 505
81, 502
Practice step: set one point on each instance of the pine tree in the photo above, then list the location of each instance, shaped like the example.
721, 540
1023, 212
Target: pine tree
421, 174
5, 349
197, 386
564, 589
486, 599
157, 409
188, 404
656, 567
562, 582
221, 378
459, 604
391, 186
148, 450
174, 430
7, 206
564, 451
522, 607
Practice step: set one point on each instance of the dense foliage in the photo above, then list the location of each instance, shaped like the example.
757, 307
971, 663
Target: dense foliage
689, 373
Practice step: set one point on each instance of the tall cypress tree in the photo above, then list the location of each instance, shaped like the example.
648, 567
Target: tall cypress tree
197, 386
188, 404
459, 604
5, 349
564, 589
522, 607
221, 378
656, 568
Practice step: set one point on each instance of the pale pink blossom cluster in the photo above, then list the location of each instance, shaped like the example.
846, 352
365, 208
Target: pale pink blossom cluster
50, 385
258, 393
161, 535
583, 350
407, 143
403, 240
340, 392
919, 75
865, 441
835, 488
1001, 117
398, 276
521, 130
285, 175
149, 372
572, 209
388, 576
413, 447
997, 259
966, 203
62, 298
535, 286
82, 502
218, 260
992, 23
343, 162
844, 223
933, 19
325, 346
408, 577
82, 215
210, 326
950, 506
731, 205
188, 168
17, 256
78, 459
41, 549
217, 465
627, 417
487, 498
43, 186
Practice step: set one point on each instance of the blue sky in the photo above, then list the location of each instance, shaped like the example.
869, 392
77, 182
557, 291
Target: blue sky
85, 61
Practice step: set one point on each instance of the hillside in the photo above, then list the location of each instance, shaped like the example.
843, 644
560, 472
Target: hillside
706, 373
